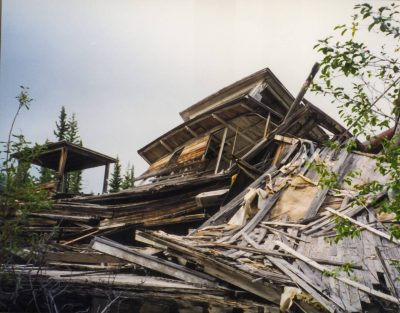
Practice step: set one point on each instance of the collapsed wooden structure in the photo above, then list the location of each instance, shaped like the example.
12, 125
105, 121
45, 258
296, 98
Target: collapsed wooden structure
229, 217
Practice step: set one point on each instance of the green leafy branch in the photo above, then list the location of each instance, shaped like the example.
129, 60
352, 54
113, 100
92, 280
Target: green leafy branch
347, 268
344, 229
363, 82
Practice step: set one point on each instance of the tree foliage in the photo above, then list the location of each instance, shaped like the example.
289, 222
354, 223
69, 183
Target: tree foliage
19, 195
129, 178
24, 101
74, 179
72, 133
61, 125
66, 129
116, 179
45, 174
363, 81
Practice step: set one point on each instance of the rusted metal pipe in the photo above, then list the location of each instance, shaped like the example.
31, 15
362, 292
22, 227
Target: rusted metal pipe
375, 143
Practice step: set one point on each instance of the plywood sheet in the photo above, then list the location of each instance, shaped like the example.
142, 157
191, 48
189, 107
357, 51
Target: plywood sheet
159, 164
195, 150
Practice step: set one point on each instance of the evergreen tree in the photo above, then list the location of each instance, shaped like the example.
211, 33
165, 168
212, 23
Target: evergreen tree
46, 174
128, 181
72, 134
74, 182
116, 179
62, 125
74, 179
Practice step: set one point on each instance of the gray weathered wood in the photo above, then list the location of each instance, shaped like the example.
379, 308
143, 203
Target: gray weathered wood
258, 217
346, 280
120, 251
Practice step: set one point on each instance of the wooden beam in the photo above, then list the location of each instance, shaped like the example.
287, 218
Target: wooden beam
247, 147
77, 257
61, 169
306, 283
233, 147
75, 218
151, 262
265, 107
212, 266
176, 220
267, 125
303, 90
254, 148
221, 149
166, 146
105, 180
210, 198
223, 156
233, 129
247, 168
191, 131
244, 106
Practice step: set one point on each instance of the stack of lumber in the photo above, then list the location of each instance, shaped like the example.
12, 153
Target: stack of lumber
172, 202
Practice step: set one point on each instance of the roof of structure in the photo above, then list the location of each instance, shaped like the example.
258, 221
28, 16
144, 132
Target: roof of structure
78, 158
239, 89
244, 106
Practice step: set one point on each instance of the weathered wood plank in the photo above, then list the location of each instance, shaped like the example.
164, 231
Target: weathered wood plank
120, 251
340, 278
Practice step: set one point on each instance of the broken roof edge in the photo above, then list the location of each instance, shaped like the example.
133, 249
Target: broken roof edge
249, 82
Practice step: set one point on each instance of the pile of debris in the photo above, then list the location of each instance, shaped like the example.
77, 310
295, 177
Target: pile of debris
230, 217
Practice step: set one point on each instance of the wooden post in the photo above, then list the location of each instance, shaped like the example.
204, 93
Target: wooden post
303, 90
233, 147
61, 169
221, 149
267, 125
105, 181
396, 134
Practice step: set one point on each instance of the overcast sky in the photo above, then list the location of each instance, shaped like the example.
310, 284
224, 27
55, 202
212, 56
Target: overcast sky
127, 68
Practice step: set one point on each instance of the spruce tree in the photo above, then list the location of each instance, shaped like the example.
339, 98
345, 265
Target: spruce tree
128, 181
72, 134
116, 179
62, 125
74, 179
46, 174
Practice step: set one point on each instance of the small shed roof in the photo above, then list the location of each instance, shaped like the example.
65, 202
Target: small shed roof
78, 158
